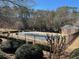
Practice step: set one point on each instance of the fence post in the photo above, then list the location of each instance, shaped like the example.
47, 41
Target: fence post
34, 40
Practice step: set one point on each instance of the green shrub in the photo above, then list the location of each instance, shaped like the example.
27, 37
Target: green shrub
44, 47
74, 54
77, 57
2, 56
28, 51
11, 45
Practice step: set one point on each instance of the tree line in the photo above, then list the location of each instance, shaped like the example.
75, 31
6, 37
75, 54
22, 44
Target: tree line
43, 20
23, 18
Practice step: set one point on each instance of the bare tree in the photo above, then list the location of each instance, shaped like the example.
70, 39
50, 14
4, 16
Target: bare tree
16, 9
57, 45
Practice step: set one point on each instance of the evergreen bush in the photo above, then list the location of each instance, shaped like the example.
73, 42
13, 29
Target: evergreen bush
11, 45
74, 54
28, 51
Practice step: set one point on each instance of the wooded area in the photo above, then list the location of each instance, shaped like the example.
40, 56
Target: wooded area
14, 14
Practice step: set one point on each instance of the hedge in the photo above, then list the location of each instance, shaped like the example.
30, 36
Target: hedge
11, 45
28, 51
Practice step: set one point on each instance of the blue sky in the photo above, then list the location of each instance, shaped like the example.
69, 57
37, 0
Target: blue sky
54, 4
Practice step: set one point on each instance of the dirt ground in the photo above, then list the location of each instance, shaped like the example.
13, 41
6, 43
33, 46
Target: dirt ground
74, 45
